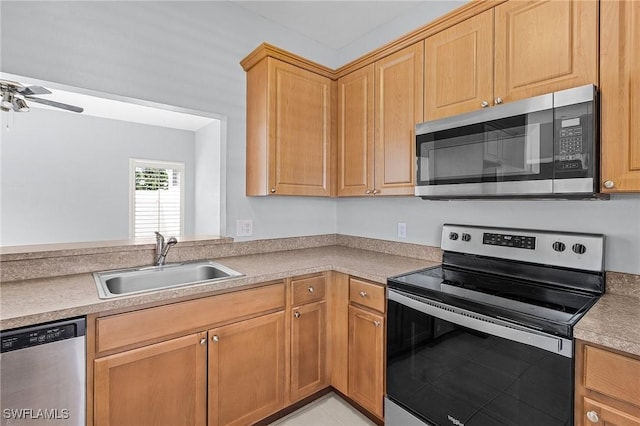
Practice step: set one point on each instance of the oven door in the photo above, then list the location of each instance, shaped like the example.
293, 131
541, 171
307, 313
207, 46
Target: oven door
447, 366
505, 150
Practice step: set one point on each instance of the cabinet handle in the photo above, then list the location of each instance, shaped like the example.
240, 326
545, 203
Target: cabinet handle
593, 416
609, 184
296, 314
376, 191
498, 101
273, 190
377, 323
484, 104
363, 294
368, 191
310, 289
203, 341
215, 338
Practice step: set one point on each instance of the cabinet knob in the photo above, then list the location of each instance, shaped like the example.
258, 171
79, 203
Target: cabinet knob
593, 416
484, 104
310, 289
215, 338
498, 101
368, 191
273, 190
609, 184
363, 294
296, 314
203, 341
376, 191
376, 323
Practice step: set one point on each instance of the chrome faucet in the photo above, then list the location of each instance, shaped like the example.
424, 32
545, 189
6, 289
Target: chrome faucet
162, 248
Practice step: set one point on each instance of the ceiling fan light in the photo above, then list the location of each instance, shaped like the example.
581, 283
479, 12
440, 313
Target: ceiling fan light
19, 104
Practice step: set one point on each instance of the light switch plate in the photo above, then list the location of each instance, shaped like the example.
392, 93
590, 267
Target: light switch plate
244, 228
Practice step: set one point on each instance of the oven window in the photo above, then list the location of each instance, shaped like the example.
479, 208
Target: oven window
447, 374
509, 149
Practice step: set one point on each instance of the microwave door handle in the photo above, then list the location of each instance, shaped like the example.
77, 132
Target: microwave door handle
484, 324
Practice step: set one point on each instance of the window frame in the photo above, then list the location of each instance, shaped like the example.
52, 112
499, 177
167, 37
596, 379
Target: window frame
158, 164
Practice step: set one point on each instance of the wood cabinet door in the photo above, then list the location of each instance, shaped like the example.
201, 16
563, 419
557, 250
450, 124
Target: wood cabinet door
620, 96
356, 132
544, 46
246, 370
160, 384
308, 350
605, 415
366, 359
300, 131
459, 68
399, 107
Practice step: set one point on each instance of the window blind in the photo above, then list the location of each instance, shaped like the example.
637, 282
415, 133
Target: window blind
157, 200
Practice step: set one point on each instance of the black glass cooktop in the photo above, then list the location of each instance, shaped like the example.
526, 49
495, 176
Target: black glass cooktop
533, 304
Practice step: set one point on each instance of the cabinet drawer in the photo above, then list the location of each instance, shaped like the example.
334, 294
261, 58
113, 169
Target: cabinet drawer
366, 294
613, 375
147, 325
607, 415
309, 289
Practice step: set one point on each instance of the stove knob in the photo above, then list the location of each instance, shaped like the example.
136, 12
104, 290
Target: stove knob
579, 248
453, 236
559, 246
466, 237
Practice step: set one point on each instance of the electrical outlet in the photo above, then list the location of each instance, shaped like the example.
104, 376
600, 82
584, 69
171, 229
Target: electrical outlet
402, 230
244, 228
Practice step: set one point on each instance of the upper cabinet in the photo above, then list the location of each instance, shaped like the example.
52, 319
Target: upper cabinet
356, 132
620, 96
350, 132
517, 50
459, 68
290, 128
378, 108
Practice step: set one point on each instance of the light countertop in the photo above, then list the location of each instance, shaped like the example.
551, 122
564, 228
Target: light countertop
613, 322
41, 300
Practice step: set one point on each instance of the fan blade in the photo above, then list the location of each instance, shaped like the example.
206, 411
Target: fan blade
55, 104
34, 90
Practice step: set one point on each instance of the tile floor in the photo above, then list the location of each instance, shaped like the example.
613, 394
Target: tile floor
330, 410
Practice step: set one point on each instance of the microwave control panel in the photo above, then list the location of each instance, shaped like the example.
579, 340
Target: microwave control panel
574, 133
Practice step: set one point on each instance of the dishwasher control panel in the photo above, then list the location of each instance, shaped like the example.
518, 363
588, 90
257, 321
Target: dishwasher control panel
40, 335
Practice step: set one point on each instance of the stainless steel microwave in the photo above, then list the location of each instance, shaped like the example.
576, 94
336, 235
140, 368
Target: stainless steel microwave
545, 146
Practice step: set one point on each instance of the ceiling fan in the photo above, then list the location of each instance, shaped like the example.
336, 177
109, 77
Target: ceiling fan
15, 96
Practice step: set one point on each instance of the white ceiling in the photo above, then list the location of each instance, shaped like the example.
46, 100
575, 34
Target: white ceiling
334, 24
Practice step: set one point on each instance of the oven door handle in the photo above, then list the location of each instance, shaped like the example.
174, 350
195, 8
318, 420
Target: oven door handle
484, 324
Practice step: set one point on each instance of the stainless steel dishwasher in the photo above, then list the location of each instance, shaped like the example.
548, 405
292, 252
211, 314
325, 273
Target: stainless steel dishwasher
43, 374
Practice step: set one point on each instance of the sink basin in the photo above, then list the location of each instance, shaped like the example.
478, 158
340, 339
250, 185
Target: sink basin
139, 280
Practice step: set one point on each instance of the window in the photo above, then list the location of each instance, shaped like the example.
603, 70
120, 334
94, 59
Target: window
157, 198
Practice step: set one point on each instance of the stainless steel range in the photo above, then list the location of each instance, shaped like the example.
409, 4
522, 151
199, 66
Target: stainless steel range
487, 338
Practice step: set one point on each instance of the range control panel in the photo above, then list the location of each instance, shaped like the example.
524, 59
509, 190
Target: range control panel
566, 249
507, 240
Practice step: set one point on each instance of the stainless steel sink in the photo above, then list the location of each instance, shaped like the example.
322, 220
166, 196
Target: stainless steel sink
139, 280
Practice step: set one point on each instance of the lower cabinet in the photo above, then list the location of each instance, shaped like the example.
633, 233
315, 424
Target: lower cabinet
160, 384
607, 387
308, 345
237, 358
246, 370
366, 362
